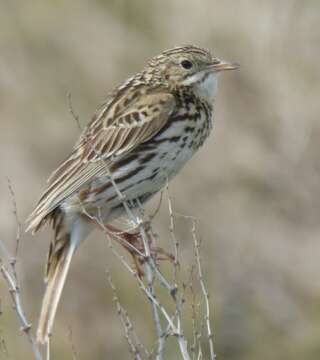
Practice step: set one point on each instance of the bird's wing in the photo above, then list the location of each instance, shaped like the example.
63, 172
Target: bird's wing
117, 129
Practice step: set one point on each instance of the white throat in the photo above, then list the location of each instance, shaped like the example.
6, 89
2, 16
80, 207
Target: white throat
206, 88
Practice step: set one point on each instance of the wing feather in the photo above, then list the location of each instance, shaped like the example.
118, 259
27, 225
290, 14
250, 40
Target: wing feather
139, 121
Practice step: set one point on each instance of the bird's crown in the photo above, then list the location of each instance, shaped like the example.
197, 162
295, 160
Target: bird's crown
183, 65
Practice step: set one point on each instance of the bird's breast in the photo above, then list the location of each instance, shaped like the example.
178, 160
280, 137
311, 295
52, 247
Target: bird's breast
149, 167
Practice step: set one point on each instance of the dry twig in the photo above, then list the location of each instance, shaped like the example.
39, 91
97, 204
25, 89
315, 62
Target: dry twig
131, 337
10, 276
14, 291
204, 291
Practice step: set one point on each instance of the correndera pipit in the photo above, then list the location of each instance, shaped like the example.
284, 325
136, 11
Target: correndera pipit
144, 133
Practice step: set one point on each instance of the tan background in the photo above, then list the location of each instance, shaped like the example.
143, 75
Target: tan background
254, 186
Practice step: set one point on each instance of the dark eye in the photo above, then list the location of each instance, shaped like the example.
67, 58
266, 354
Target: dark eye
186, 64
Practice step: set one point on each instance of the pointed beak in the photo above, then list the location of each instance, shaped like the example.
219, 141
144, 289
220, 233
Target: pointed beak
222, 65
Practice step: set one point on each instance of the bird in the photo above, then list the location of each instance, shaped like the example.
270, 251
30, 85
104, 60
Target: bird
142, 135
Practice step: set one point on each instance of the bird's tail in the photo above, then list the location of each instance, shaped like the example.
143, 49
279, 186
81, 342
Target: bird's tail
58, 266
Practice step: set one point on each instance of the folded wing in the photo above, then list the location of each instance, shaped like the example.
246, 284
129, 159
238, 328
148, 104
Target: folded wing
118, 128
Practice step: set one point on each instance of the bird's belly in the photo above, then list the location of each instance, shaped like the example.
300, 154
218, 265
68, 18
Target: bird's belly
155, 174
139, 177
174, 160
147, 169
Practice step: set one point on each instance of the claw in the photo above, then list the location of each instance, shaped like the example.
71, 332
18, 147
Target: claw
133, 243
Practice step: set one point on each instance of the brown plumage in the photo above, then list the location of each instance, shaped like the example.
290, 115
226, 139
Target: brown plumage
144, 133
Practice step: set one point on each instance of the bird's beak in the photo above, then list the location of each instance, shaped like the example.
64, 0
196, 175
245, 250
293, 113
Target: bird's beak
222, 65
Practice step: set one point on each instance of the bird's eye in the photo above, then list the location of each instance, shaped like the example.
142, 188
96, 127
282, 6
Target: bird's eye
186, 64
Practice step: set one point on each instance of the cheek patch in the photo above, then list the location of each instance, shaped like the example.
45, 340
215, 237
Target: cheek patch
193, 79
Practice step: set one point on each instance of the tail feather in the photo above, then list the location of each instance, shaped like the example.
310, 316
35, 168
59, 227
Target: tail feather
55, 282
66, 240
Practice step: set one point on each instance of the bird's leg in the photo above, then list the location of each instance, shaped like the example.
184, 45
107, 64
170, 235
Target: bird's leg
133, 243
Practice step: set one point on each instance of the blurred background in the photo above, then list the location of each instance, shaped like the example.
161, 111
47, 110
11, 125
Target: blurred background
254, 186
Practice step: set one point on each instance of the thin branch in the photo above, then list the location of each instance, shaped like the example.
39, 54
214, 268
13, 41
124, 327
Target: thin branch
73, 348
11, 278
15, 296
149, 267
131, 338
204, 291
146, 291
193, 316
173, 235
3, 346
150, 279
15, 213
48, 349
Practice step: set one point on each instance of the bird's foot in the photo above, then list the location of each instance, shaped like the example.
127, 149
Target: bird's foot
134, 244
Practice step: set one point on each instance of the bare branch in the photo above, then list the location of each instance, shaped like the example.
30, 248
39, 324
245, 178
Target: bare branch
3, 346
172, 232
15, 296
15, 213
73, 348
131, 338
48, 349
204, 291
11, 278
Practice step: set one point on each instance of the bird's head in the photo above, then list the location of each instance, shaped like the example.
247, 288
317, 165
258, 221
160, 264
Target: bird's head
190, 66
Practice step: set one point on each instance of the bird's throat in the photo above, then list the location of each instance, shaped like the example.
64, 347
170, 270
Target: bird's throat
207, 87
